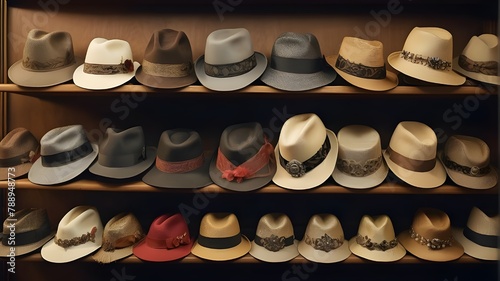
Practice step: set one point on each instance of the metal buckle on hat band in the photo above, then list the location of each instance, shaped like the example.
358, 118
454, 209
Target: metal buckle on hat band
274, 243
297, 169
432, 62
325, 243
126, 66
473, 171
231, 69
357, 169
167, 70
385, 245
484, 67
360, 70
432, 243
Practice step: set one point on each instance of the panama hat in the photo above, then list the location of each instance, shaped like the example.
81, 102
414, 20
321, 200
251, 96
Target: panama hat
79, 234
324, 240
376, 240
274, 239
361, 63
180, 161
411, 155
360, 163
297, 64
123, 154
220, 238
479, 59
65, 153
168, 239
230, 62
244, 160
430, 237
306, 153
467, 162
108, 64
121, 233
18, 150
48, 60
168, 61
427, 55
26, 231
480, 237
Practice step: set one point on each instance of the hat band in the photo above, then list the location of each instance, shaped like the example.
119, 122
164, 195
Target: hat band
27, 157
490, 241
87, 237
411, 164
169, 242
219, 243
432, 62
122, 242
107, 69
325, 243
297, 169
167, 70
180, 166
354, 168
473, 171
51, 65
231, 69
484, 67
299, 66
122, 160
65, 157
28, 237
432, 243
383, 246
360, 70
274, 243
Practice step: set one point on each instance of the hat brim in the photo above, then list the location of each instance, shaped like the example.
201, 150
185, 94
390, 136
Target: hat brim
286, 254
164, 82
20, 170
475, 250
22, 77
491, 79
390, 255
389, 82
297, 82
145, 252
453, 252
430, 179
25, 249
361, 182
333, 256
102, 82
102, 256
125, 172
40, 174
222, 254
422, 72
230, 83
313, 178
193, 179
54, 253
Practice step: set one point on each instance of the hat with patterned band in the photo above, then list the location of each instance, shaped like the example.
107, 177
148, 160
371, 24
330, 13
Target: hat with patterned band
274, 239
361, 63
18, 150
324, 240
48, 60
230, 62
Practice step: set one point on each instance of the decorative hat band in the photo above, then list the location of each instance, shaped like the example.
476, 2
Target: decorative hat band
108, 69
297, 169
219, 243
274, 243
473, 171
53, 64
87, 237
65, 157
432, 243
411, 164
432, 62
325, 243
27, 157
484, 67
27, 237
294, 65
360, 70
122, 160
231, 69
490, 241
167, 70
385, 245
180, 166
169, 242
357, 169
121, 242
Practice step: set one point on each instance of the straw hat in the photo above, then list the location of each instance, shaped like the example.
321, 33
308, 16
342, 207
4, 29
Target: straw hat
18, 150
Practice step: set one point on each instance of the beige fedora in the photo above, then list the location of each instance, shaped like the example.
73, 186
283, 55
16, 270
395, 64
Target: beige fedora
376, 240
430, 237
48, 60
306, 153
361, 62
19, 149
427, 55
480, 237
467, 162
324, 240
360, 163
479, 59
411, 155
220, 238
274, 239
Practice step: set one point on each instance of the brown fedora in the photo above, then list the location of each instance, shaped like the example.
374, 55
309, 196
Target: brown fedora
18, 150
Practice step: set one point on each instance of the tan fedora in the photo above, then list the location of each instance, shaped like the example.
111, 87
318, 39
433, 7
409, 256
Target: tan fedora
220, 238
427, 55
376, 240
479, 59
430, 237
411, 155
19, 149
324, 240
274, 239
361, 62
467, 162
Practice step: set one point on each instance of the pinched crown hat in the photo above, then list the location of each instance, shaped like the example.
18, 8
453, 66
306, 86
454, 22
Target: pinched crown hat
297, 64
48, 60
168, 61
18, 150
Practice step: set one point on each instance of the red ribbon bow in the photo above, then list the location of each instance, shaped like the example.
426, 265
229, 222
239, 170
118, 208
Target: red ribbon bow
177, 241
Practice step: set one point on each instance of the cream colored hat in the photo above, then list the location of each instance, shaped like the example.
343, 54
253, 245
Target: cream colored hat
427, 55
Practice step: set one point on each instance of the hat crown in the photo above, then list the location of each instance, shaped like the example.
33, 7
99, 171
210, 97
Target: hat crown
482, 48
168, 46
432, 223
219, 225
414, 140
321, 224
241, 142
430, 42
168, 226
47, 51
79, 221
225, 46
108, 52
121, 226
360, 51
359, 143
378, 228
27, 220
481, 223
117, 142
297, 46
17, 142
275, 224
62, 139
179, 145
467, 151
